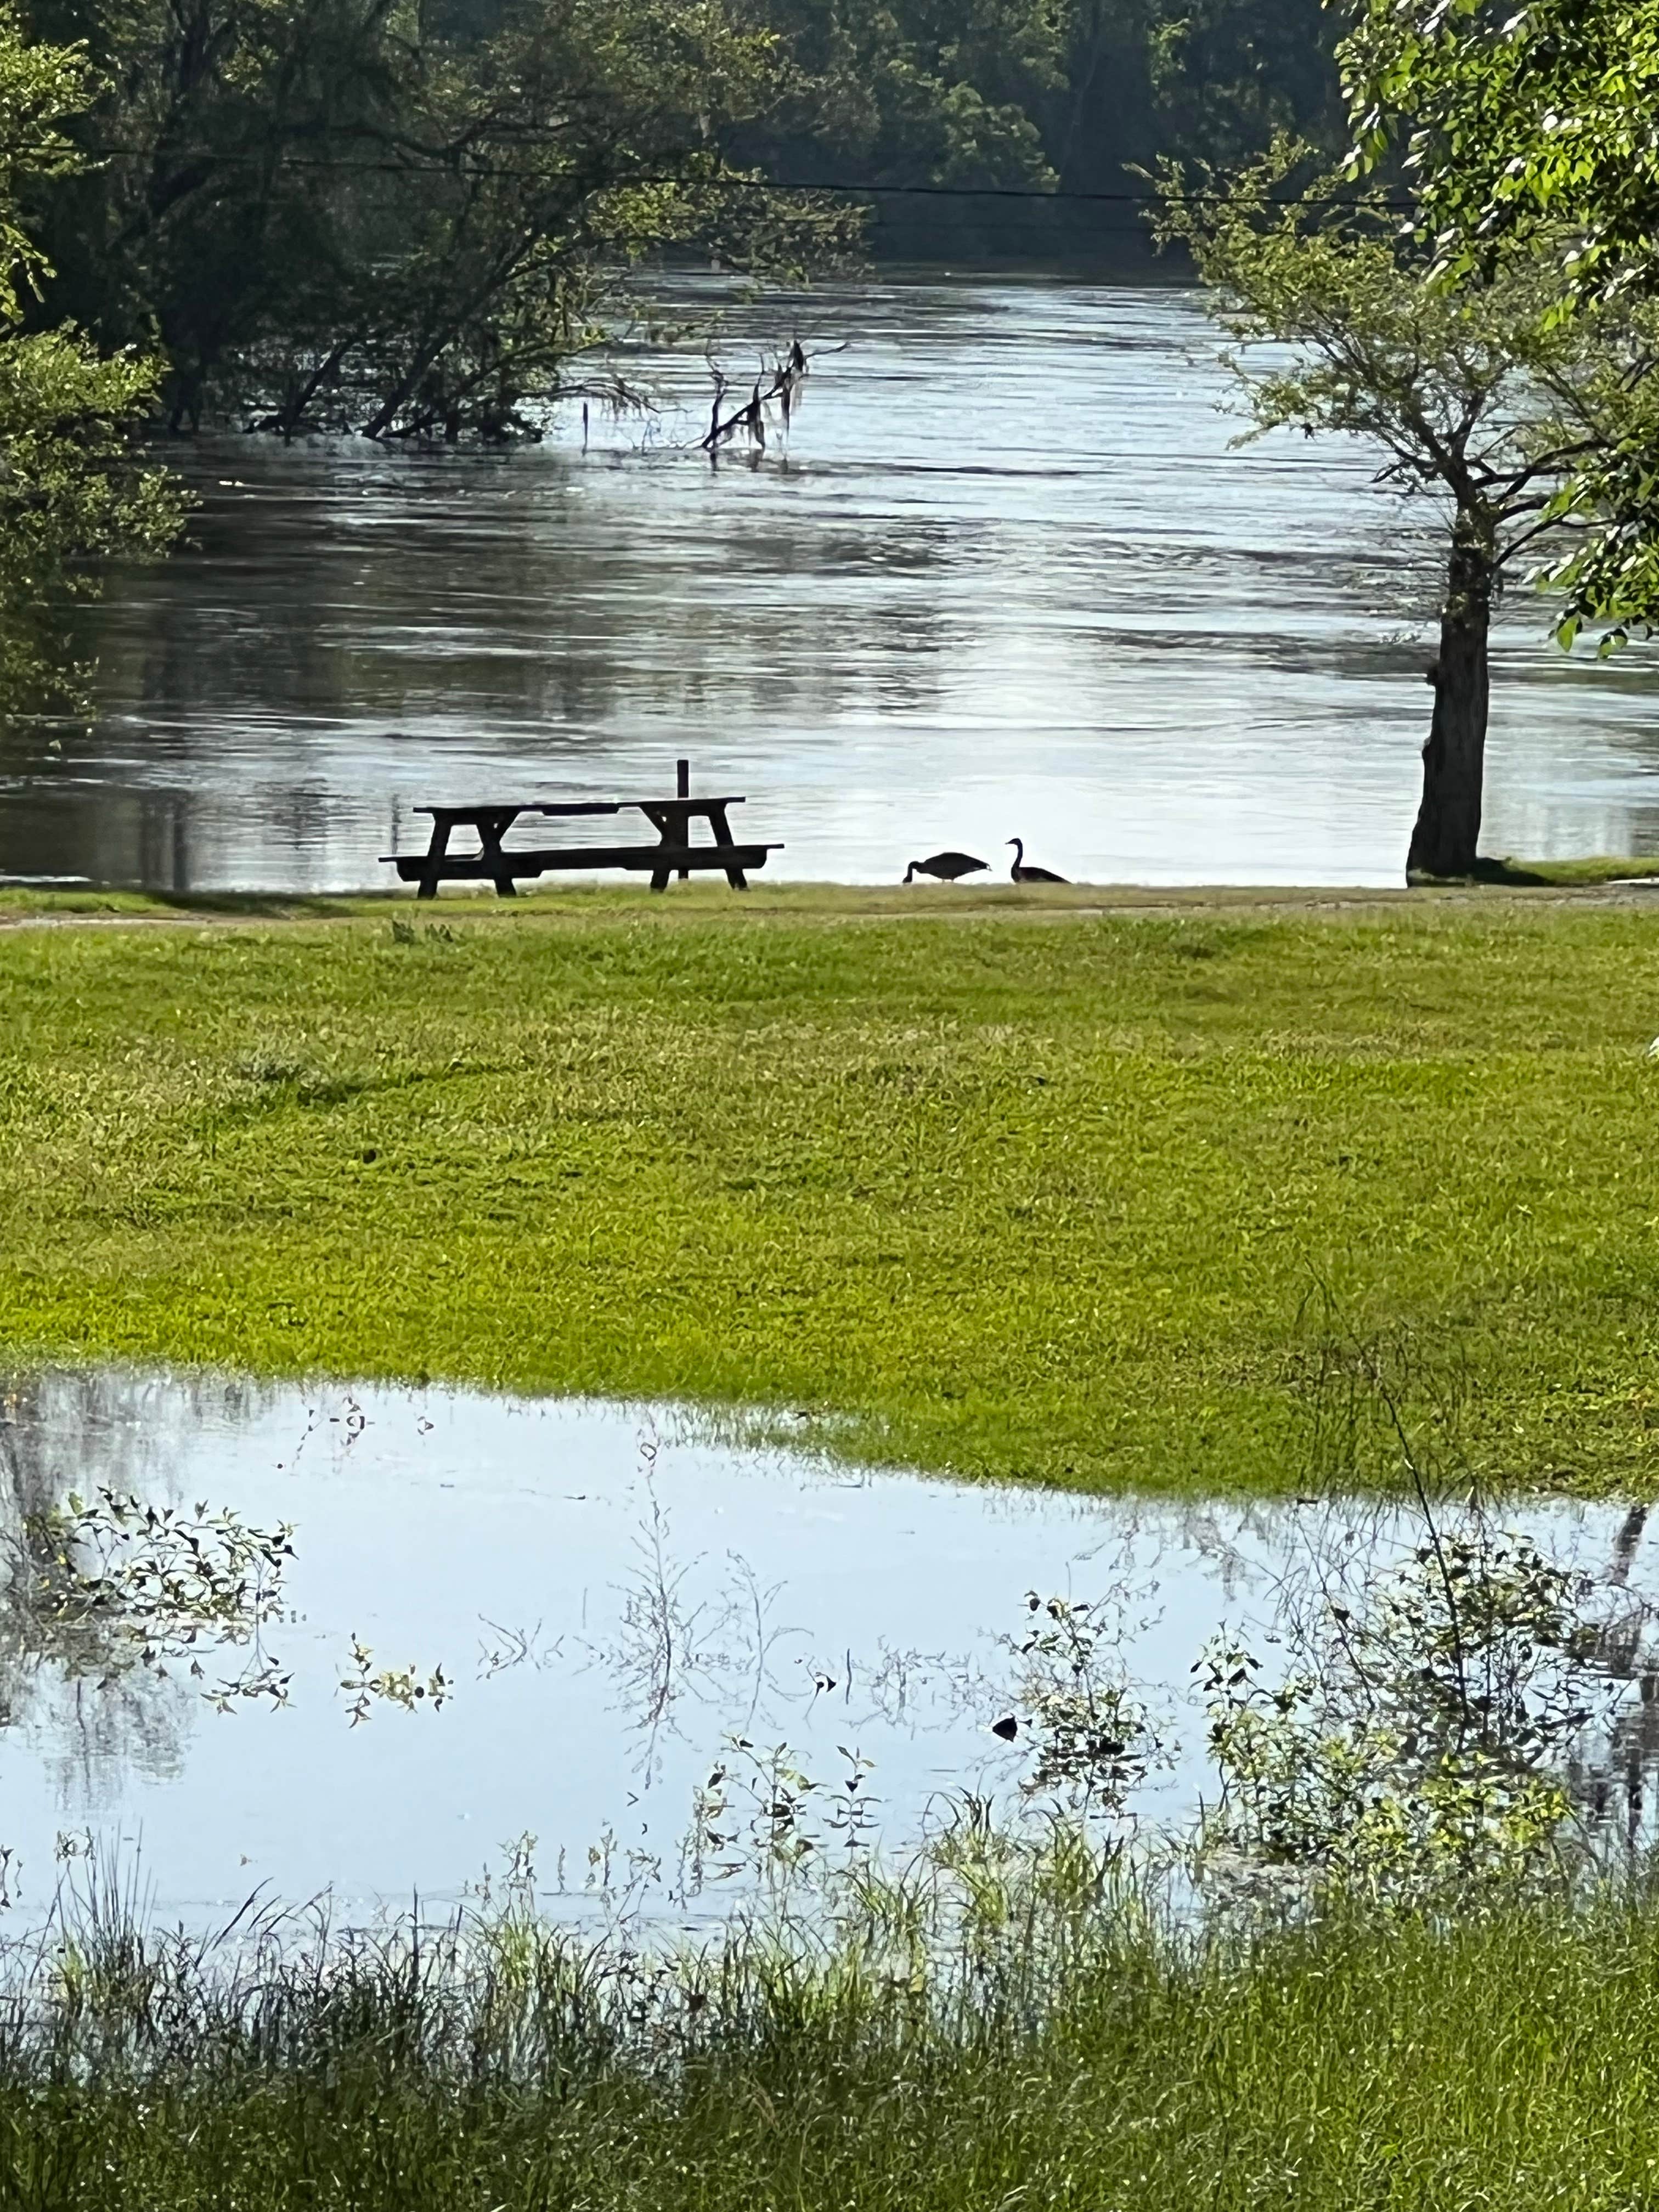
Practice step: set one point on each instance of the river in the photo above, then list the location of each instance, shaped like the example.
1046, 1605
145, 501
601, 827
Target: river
1008, 577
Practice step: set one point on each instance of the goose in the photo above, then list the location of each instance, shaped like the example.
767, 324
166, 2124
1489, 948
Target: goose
1022, 874
947, 867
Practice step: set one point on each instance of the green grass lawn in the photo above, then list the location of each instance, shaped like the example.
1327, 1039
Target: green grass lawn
1008, 1186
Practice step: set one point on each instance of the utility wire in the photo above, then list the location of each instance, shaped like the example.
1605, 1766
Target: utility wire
435, 160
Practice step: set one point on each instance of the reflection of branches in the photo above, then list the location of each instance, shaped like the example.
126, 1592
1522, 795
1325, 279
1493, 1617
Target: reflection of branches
116, 1613
1449, 1684
508, 1647
922, 1688
671, 1644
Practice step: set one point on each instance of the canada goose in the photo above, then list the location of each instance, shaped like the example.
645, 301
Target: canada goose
1024, 875
947, 867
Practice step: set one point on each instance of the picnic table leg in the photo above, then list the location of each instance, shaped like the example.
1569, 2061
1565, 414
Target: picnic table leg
662, 820
682, 787
490, 831
721, 828
427, 885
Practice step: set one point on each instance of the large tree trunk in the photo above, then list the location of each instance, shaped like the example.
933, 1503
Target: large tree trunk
1453, 760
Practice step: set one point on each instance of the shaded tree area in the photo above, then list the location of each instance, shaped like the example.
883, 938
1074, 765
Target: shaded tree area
408, 217
347, 214
74, 488
411, 217
1066, 96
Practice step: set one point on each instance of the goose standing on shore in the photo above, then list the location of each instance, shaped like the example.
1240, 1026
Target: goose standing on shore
1022, 874
947, 867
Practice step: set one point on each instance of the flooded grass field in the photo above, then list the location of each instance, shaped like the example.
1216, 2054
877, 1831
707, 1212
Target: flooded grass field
420, 1627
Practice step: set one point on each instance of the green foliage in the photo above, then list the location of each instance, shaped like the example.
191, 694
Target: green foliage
1526, 134
1423, 1727
1479, 392
1036, 1196
102, 1586
39, 86
1515, 120
1212, 80
339, 215
1094, 1740
916, 92
73, 491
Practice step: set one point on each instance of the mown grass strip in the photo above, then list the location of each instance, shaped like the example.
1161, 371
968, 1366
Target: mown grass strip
1032, 1193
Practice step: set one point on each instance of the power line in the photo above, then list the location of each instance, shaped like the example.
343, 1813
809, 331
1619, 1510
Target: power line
435, 162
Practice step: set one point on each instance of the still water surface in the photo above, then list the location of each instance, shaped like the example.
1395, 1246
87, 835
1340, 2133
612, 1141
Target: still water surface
1007, 578
613, 1601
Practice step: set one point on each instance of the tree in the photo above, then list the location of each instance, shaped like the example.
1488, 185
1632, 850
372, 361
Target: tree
74, 489
1511, 120
355, 213
932, 92
1483, 397
1530, 130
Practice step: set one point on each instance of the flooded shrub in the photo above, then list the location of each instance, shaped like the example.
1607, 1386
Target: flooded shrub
1426, 1724
1093, 1743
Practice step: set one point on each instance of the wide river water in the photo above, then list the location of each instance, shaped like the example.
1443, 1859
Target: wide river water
1008, 577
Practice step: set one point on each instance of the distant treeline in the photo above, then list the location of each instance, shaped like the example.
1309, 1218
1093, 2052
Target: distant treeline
953, 105
407, 217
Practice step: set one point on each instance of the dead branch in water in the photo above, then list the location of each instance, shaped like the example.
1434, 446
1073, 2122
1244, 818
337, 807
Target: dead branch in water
780, 387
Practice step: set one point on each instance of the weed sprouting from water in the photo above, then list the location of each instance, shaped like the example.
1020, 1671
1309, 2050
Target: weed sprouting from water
411, 1687
1094, 1740
102, 1585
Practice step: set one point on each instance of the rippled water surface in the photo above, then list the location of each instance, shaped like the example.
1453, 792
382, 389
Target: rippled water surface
618, 1608
1008, 578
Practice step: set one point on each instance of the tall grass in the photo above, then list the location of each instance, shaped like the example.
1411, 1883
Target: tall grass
1033, 2030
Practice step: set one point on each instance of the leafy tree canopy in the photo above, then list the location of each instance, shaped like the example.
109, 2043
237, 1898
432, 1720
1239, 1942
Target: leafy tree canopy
1480, 395
73, 488
1529, 132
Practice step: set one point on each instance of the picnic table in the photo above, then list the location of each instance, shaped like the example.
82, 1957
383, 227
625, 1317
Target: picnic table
673, 853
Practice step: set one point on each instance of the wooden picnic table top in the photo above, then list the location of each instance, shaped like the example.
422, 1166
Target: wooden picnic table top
678, 805
525, 806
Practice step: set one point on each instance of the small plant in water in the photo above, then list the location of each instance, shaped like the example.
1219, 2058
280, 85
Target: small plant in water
1093, 1740
107, 1583
368, 1686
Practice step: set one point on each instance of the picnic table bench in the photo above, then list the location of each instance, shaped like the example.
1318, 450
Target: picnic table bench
673, 853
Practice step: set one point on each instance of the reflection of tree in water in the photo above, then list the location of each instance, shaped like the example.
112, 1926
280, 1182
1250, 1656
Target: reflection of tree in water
1449, 1688
1615, 1778
117, 1613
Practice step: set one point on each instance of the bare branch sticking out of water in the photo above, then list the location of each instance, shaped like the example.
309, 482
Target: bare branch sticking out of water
775, 397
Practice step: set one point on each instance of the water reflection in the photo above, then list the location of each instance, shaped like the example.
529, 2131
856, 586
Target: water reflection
1009, 578
596, 1625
